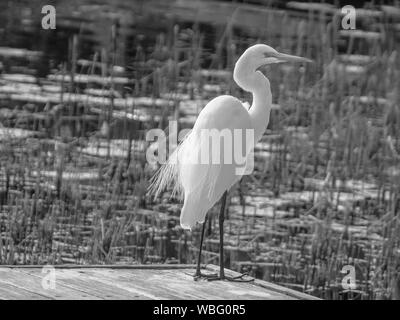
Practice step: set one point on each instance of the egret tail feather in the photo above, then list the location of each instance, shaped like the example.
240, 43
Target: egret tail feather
167, 176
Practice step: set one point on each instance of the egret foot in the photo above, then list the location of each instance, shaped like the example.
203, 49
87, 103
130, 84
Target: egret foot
239, 278
232, 279
210, 276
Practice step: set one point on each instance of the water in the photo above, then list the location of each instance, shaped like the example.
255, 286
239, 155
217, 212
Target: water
137, 25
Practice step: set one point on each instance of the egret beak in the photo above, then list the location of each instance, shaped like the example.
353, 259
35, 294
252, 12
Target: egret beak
283, 57
277, 57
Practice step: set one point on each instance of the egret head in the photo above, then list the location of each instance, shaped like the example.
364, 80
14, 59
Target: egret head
254, 58
260, 55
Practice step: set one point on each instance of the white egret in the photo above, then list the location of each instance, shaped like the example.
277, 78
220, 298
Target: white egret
203, 183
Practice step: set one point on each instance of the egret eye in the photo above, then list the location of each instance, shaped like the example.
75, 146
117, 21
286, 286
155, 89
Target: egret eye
269, 54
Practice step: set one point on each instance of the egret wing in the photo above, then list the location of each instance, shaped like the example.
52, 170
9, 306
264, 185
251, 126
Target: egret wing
204, 178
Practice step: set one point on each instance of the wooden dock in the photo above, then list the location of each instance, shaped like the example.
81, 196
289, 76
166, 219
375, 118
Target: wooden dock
129, 282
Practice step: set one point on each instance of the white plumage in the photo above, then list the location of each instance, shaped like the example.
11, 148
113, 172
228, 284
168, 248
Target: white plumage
201, 184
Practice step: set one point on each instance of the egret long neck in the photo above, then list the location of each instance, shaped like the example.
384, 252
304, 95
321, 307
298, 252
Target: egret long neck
261, 106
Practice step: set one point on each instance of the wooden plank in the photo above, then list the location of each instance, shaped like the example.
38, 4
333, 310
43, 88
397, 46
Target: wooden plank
229, 290
24, 279
159, 284
103, 266
107, 279
9, 290
134, 282
140, 280
217, 290
78, 280
272, 287
180, 285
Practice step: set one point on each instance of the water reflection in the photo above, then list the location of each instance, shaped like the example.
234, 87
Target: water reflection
121, 30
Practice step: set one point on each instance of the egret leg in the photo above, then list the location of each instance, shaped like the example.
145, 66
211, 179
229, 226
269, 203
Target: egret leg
221, 236
198, 273
210, 277
221, 247
201, 247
